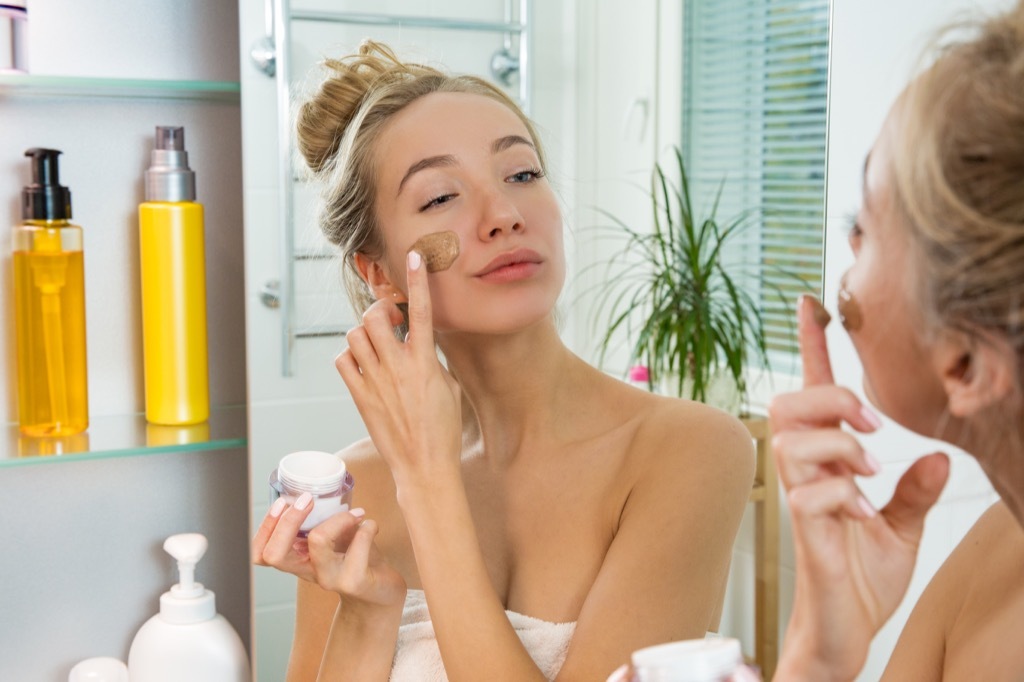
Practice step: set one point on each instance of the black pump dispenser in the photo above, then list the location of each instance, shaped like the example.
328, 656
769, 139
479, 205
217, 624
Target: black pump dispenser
45, 198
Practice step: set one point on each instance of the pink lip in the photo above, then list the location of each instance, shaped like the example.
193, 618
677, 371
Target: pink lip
512, 261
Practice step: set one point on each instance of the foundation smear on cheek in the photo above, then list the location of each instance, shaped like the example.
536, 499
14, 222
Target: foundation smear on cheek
849, 310
439, 250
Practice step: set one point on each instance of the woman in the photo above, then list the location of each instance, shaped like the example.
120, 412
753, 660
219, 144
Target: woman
514, 482
934, 305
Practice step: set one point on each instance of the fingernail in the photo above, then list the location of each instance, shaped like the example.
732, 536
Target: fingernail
818, 312
278, 507
414, 260
358, 512
866, 507
873, 463
303, 501
870, 417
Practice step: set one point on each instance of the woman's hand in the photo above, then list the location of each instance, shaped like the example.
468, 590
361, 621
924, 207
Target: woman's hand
339, 554
410, 404
853, 564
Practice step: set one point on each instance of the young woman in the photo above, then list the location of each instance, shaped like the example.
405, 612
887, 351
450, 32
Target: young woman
934, 304
553, 518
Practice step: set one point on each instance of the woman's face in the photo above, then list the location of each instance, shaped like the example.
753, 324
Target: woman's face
466, 164
900, 375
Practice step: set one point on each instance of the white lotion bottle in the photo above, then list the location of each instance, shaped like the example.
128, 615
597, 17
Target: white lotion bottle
188, 639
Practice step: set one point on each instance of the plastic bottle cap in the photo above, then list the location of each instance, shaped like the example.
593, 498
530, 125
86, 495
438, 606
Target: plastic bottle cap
639, 373
310, 471
101, 669
188, 549
692, 660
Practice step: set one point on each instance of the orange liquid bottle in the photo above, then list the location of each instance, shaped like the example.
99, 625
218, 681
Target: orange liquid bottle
49, 307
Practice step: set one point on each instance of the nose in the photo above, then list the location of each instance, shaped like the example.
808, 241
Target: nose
500, 216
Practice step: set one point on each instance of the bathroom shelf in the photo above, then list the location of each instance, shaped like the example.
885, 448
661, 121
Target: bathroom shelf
126, 436
126, 88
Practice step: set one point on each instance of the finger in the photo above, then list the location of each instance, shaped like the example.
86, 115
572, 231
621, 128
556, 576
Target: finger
279, 546
919, 488
421, 325
266, 529
829, 497
805, 456
348, 368
380, 320
821, 406
358, 554
813, 349
362, 348
334, 534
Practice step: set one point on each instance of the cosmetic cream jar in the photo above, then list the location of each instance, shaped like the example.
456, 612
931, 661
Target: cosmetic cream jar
320, 474
697, 660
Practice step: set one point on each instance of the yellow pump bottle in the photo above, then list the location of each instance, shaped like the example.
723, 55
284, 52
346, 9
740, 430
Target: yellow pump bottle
49, 307
173, 275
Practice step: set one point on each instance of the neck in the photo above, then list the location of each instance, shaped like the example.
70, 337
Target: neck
514, 387
1001, 456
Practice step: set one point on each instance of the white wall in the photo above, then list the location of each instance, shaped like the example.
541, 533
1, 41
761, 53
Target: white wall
876, 48
81, 561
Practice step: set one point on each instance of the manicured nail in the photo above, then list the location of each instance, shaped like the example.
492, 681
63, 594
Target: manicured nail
818, 312
866, 507
870, 417
278, 507
358, 512
303, 501
414, 260
872, 463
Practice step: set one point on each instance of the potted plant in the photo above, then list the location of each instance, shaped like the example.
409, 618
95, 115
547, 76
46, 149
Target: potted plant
687, 318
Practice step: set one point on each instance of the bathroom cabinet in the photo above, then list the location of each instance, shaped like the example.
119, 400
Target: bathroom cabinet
84, 567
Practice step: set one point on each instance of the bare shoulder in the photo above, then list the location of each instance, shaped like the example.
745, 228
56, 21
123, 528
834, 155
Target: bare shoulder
683, 439
976, 594
374, 487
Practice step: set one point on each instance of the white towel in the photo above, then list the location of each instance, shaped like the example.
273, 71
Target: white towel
418, 658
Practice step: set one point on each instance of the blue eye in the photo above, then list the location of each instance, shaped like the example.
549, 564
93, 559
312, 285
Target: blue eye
526, 176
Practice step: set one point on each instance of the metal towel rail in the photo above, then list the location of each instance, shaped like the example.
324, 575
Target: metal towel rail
271, 55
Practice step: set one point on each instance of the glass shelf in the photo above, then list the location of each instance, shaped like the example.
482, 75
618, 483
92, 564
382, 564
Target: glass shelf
126, 436
129, 88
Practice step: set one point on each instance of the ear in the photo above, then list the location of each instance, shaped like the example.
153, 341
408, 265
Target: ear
976, 372
377, 279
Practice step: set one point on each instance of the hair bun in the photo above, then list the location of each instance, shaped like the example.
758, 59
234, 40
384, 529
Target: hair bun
323, 118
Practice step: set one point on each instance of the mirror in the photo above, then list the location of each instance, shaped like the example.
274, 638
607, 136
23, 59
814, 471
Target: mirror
607, 106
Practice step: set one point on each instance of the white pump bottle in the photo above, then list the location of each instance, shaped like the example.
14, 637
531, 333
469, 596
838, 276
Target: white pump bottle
188, 639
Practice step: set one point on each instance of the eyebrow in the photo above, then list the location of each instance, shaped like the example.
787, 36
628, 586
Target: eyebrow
447, 160
504, 143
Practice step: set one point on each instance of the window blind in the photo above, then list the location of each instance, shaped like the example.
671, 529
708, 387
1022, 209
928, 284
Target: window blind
754, 121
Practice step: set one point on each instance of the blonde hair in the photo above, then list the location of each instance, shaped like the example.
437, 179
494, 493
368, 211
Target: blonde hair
959, 180
337, 131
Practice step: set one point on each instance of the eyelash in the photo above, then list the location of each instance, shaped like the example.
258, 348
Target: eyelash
853, 228
533, 173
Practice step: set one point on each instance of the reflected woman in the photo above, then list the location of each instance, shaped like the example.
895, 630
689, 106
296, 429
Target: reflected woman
523, 515
934, 305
